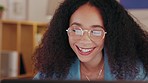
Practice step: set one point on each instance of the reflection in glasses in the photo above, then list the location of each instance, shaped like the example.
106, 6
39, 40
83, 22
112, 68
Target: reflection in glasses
94, 34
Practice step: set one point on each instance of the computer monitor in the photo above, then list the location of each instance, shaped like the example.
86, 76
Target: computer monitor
67, 81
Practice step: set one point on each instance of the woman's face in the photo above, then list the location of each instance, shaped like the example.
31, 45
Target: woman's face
86, 47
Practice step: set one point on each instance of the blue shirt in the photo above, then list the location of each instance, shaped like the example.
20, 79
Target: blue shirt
74, 72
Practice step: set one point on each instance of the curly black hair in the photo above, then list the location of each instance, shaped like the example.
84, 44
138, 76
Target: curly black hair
125, 42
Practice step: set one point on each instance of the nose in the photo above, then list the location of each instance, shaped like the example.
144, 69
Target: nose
85, 38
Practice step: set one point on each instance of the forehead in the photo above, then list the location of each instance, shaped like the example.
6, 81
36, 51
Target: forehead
87, 15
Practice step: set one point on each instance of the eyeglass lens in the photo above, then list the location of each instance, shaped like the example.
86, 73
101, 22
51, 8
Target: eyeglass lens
94, 34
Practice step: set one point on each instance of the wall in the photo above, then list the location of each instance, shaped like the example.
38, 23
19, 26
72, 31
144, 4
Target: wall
139, 9
4, 3
141, 15
42, 10
37, 10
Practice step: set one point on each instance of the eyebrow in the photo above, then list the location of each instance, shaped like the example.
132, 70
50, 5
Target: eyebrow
93, 26
75, 23
97, 26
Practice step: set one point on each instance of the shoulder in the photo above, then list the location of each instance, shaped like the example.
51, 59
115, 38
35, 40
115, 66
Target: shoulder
142, 75
74, 72
39, 75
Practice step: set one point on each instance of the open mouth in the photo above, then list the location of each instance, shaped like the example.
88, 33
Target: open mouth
85, 51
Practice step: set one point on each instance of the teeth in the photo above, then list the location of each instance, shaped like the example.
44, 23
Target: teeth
85, 50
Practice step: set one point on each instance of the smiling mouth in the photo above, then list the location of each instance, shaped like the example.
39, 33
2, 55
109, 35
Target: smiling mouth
85, 51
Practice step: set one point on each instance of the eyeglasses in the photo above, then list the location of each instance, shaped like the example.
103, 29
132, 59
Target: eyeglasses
95, 34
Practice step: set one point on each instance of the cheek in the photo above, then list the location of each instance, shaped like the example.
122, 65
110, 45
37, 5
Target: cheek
100, 45
71, 42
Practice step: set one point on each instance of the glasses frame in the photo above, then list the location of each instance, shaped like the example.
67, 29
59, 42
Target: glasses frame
88, 32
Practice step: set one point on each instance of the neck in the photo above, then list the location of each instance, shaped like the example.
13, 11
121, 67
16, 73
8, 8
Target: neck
92, 72
92, 66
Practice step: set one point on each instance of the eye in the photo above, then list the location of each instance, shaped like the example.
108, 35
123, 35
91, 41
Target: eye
96, 33
76, 30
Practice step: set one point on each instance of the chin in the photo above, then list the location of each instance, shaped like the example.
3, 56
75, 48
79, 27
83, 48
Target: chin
84, 59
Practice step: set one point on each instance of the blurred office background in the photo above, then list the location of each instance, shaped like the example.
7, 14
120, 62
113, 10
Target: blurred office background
24, 22
32, 10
